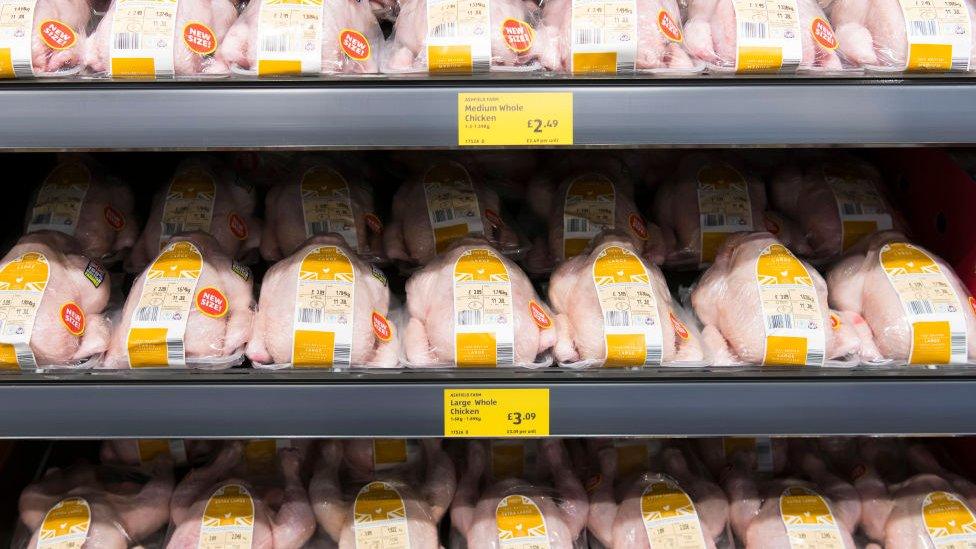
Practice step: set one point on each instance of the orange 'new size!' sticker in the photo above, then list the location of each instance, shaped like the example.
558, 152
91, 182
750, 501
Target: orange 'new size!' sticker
518, 35
679, 327
539, 316
638, 226
237, 226
374, 223
199, 38
212, 302
57, 35
972, 303
823, 33
354, 44
381, 327
669, 27
73, 318
114, 218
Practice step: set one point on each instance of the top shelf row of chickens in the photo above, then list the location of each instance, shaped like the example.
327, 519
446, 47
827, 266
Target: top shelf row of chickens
217, 38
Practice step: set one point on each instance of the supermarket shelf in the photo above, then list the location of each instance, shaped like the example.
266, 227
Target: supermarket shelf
423, 113
247, 403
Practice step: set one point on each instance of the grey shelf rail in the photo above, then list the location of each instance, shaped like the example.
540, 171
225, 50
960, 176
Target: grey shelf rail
247, 403
396, 113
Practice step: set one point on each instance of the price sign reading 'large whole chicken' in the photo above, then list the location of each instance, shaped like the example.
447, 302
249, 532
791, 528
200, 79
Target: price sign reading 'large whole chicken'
482, 413
525, 119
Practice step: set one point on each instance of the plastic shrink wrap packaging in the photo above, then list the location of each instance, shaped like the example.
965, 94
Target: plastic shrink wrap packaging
143, 452
43, 38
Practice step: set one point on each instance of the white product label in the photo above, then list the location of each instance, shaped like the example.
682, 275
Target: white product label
724, 206
767, 36
670, 518
189, 204
520, 524
458, 35
949, 522
324, 309
940, 35
16, 24
228, 519
792, 317
631, 324
327, 205
513, 459
861, 208
452, 204
484, 322
604, 36
380, 518
809, 522
932, 309
65, 525
23, 281
589, 208
290, 37
143, 37
60, 198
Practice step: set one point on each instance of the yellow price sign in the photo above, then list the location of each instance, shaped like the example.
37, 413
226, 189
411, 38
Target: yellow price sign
527, 119
496, 413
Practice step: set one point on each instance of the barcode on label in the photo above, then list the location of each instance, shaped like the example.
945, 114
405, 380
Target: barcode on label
23, 67
923, 28
749, 29
588, 36
441, 216
815, 358
169, 229
127, 41
920, 307
469, 318
447, 29
654, 356
41, 219
319, 227
852, 208
308, 315
617, 318
174, 351
147, 314
277, 43
341, 354
25, 358
714, 220
505, 354
958, 344
780, 321
577, 225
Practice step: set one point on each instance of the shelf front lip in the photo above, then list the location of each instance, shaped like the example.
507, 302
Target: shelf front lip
376, 113
580, 406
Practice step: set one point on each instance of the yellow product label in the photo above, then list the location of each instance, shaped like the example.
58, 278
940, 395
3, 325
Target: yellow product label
793, 319
261, 455
23, 281
809, 522
290, 37
452, 204
949, 522
932, 308
520, 524
484, 324
508, 459
860, 206
16, 34
670, 518
150, 449
59, 200
65, 525
380, 518
939, 35
189, 203
484, 413
768, 36
6, 64
228, 519
631, 324
158, 324
633, 457
324, 309
327, 205
724, 206
458, 36
604, 36
515, 119
144, 33
389, 451
589, 208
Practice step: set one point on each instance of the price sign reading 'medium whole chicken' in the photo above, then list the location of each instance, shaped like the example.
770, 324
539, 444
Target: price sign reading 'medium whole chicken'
482, 413
521, 119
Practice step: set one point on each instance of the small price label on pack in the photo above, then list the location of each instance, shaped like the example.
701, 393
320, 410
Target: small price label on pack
523, 119
496, 413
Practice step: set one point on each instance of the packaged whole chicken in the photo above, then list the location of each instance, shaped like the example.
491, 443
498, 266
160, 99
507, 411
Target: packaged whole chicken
222, 504
398, 507
77, 198
323, 307
43, 37
331, 199
448, 36
473, 307
518, 512
667, 506
912, 300
834, 201
761, 305
613, 308
53, 299
439, 206
179, 39
201, 196
192, 307
144, 451
273, 38
777, 37
104, 507
597, 37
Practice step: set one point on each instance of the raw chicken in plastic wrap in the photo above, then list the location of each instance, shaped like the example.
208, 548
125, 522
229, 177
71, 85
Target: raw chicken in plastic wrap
197, 29
348, 327
613, 308
54, 303
192, 307
50, 43
713, 29
144, 451
911, 299
763, 455
762, 305
103, 507
652, 40
506, 38
77, 198
473, 307
347, 42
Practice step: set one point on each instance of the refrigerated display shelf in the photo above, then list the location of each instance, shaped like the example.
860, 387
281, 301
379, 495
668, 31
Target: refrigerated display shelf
247, 403
402, 113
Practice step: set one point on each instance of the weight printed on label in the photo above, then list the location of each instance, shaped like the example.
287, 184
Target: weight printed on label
228, 519
861, 208
452, 204
143, 37
520, 524
933, 310
670, 518
792, 318
484, 322
724, 207
589, 209
327, 205
380, 518
290, 37
65, 525
604, 36
16, 32
631, 323
949, 522
458, 35
809, 522
23, 281
189, 204
767, 36
324, 309
940, 35
59, 199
